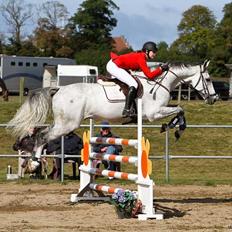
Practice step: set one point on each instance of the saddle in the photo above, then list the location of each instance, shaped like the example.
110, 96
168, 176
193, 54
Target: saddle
123, 87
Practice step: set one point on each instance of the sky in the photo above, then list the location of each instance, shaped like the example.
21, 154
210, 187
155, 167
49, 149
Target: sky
144, 20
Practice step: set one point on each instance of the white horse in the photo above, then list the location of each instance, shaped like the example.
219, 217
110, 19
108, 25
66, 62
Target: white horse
72, 103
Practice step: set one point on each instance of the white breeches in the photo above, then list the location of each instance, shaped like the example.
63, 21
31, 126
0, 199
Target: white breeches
121, 74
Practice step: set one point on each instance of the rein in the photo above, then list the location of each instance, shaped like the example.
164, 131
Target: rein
156, 82
160, 84
205, 87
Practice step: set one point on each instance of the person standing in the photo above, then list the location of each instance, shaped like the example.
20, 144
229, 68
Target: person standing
105, 132
72, 146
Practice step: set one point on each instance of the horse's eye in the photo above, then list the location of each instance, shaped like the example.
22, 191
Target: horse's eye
208, 80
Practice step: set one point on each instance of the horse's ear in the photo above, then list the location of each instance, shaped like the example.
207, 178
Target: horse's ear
205, 64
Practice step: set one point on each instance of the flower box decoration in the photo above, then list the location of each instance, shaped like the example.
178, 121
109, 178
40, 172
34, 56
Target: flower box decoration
126, 203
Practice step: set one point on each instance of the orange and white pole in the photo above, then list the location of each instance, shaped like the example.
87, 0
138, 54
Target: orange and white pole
113, 157
108, 173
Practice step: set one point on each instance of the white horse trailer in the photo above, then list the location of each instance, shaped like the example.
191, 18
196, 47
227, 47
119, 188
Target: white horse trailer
12, 68
69, 74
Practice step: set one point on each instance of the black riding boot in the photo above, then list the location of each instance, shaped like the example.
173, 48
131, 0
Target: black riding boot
129, 100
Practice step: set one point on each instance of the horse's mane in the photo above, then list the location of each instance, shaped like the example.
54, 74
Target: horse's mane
180, 64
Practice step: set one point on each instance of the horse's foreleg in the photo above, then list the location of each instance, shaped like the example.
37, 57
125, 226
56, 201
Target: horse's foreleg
179, 119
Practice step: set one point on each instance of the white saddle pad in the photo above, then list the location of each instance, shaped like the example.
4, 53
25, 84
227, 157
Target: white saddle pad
113, 93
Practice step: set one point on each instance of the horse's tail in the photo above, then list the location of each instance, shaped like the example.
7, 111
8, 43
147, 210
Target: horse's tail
32, 113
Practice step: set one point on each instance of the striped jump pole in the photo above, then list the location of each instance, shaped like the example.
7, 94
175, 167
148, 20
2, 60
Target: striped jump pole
104, 188
108, 173
114, 141
116, 158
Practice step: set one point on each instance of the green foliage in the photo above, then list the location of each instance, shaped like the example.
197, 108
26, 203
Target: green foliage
94, 56
94, 21
92, 25
195, 18
224, 33
52, 42
163, 53
196, 32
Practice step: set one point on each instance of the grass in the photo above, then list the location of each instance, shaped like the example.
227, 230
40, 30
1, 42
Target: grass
195, 141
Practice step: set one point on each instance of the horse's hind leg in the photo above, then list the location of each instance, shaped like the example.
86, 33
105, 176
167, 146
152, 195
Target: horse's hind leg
62, 127
57, 130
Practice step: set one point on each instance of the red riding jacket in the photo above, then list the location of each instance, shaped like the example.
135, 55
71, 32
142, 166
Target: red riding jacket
135, 61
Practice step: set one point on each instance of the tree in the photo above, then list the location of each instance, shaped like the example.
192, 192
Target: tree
221, 52
16, 14
195, 18
90, 29
51, 34
53, 14
94, 22
196, 31
225, 31
91, 56
163, 52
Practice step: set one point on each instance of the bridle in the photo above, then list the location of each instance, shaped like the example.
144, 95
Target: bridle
201, 78
204, 83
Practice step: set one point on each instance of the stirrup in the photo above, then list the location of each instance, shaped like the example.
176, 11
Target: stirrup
125, 113
133, 113
129, 113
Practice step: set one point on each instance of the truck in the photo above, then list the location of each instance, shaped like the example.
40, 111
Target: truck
69, 74
13, 68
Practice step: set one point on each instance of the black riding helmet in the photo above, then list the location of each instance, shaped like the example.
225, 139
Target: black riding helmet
149, 46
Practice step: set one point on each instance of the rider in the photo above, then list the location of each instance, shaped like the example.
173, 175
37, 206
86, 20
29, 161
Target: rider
119, 67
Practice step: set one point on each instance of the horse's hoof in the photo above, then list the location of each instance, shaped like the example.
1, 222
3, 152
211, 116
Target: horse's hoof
177, 135
163, 128
129, 113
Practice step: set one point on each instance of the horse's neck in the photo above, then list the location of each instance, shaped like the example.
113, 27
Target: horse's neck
170, 79
180, 75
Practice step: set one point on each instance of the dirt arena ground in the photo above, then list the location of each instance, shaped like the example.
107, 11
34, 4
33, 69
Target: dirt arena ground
39, 207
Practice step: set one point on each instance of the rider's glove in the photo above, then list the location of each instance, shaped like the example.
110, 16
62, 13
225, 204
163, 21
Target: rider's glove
164, 67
